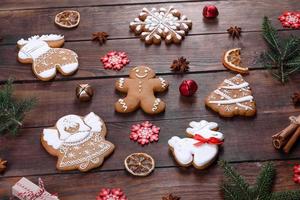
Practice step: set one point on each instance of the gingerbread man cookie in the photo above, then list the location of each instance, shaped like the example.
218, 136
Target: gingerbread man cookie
78, 142
140, 88
46, 57
200, 148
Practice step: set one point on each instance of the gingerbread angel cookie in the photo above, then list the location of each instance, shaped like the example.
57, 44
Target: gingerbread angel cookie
157, 24
233, 97
201, 146
78, 142
140, 88
46, 56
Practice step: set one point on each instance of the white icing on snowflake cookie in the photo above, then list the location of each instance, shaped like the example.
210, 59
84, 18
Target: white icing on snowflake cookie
157, 24
201, 146
46, 57
78, 142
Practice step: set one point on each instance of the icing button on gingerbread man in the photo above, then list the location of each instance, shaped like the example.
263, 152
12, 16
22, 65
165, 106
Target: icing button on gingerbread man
140, 88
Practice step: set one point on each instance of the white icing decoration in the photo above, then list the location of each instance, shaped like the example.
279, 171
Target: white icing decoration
226, 99
72, 135
121, 82
163, 82
155, 104
161, 22
122, 102
37, 50
185, 150
46, 38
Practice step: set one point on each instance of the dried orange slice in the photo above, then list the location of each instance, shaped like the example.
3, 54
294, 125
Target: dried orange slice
139, 164
232, 61
67, 18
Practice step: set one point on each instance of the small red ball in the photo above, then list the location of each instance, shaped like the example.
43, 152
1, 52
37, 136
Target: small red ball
188, 88
210, 11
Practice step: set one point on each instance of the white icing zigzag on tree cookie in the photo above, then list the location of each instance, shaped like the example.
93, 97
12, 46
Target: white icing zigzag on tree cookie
228, 99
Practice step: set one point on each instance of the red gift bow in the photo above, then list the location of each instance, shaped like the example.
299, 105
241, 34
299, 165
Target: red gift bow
34, 195
211, 140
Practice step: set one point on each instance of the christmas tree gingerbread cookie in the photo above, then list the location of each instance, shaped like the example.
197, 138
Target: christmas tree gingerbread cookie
46, 56
233, 97
78, 142
140, 88
201, 146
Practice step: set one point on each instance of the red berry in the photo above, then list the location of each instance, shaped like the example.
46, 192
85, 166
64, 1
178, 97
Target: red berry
210, 11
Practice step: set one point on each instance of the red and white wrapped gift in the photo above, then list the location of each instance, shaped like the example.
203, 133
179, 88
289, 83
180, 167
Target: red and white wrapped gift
24, 189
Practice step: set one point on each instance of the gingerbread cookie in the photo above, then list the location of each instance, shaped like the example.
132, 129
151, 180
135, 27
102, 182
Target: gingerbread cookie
46, 57
140, 88
200, 148
78, 142
157, 24
233, 97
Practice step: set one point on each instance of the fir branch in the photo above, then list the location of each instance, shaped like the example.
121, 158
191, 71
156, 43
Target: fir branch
264, 181
234, 179
271, 36
12, 110
283, 57
234, 187
288, 195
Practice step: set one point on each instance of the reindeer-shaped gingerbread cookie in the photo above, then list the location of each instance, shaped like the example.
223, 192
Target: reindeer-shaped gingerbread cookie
140, 88
46, 56
200, 148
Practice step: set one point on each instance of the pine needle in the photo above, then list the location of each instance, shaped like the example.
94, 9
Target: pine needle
234, 186
283, 56
12, 110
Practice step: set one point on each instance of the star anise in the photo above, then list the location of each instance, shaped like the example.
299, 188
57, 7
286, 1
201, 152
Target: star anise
180, 65
235, 32
296, 98
171, 197
2, 165
100, 36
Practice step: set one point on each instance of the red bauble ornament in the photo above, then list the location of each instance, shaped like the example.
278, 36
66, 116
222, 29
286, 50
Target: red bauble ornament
188, 88
210, 11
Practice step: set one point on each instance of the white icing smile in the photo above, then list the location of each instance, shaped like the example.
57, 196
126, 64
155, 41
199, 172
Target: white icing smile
140, 74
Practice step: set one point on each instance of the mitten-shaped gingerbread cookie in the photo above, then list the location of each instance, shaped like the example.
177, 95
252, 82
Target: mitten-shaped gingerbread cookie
200, 148
78, 142
140, 88
46, 57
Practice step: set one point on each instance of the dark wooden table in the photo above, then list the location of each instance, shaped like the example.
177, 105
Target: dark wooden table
248, 140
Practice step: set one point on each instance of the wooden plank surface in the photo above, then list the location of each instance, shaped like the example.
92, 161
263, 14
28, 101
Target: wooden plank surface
201, 59
247, 140
241, 144
115, 19
58, 98
190, 184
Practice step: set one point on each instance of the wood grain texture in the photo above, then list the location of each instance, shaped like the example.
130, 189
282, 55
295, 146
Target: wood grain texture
189, 184
58, 98
204, 53
115, 19
251, 141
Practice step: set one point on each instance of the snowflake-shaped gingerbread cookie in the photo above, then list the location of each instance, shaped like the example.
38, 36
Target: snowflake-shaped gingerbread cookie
111, 194
144, 133
157, 24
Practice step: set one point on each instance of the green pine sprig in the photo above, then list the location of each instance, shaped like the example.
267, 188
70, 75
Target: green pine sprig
283, 56
12, 110
235, 187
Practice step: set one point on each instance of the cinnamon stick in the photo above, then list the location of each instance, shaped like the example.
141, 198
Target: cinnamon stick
292, 141
281, 138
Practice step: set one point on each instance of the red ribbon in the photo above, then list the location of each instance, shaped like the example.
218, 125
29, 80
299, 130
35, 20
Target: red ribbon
211, 140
